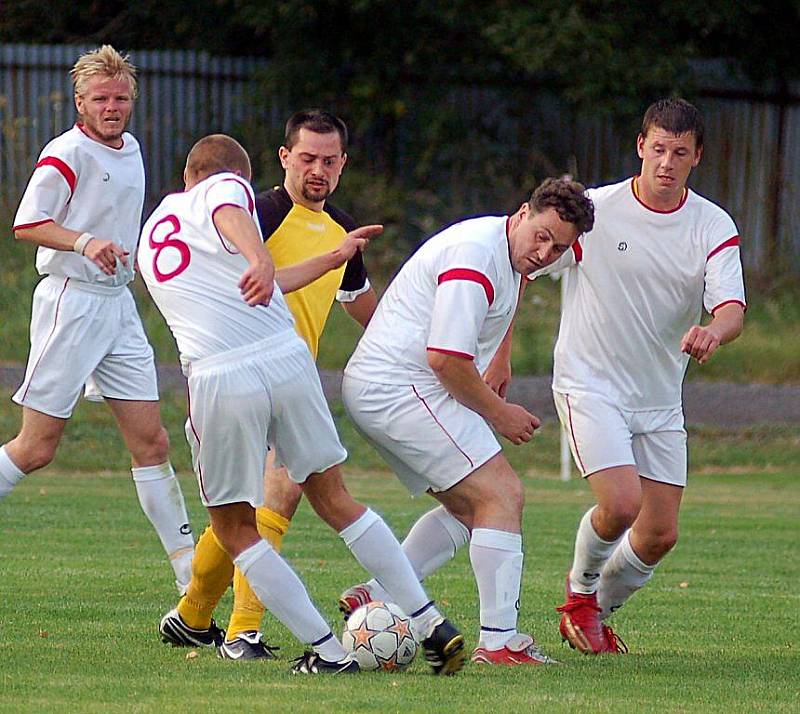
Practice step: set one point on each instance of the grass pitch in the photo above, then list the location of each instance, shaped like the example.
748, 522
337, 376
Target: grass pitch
83, 583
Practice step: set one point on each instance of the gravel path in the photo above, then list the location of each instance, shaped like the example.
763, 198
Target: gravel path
713, 403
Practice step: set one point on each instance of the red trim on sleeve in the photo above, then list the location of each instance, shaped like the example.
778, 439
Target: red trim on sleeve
250, 204
473, 275
219, 235
451, 352
725, 244
32, 225
62, 168
728, 302
578, 250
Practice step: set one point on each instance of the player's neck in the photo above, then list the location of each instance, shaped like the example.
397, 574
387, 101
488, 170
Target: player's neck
663, 203
300, 200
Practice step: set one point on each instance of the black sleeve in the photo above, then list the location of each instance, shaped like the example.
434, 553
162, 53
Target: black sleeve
355, 273
272, 207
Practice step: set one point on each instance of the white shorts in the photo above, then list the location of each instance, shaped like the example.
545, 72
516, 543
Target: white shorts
83, 332
267, 393
430, 440
602, 435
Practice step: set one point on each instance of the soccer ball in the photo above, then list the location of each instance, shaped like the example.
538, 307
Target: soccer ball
379, 634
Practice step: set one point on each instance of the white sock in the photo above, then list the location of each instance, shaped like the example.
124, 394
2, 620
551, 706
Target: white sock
376, 548
10, 475
285, 596
497, 562
623, 575
591, 554
432, 541
161, 500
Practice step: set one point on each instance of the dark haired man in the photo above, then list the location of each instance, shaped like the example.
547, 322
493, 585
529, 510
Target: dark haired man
413, 387
637, 285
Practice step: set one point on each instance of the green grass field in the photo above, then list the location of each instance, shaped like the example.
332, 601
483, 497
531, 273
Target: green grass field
83, 583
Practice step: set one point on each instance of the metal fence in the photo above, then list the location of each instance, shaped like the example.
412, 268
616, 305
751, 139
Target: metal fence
183, 96
751, 164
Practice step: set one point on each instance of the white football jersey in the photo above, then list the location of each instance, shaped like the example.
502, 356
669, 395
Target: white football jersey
193, 273
635, 284
86, 186
457, 294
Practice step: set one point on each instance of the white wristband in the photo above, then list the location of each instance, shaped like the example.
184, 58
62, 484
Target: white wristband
80, 243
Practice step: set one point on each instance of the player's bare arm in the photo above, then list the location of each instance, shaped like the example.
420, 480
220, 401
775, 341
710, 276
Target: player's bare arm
103, 253
362, 308
258, 281
461, 379
498, 373
301, 274
701, 342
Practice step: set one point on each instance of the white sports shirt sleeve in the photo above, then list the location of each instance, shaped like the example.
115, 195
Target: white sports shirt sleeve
464, 294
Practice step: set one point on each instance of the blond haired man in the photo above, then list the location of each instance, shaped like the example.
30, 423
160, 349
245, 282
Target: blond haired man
82, 208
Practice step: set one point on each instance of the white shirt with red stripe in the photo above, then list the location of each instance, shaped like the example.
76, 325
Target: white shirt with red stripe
457, 294
193, 273
635, 284
86, 186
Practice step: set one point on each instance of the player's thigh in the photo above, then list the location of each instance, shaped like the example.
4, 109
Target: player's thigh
69, 337
430, 440
659, 447
598, 431
127, 371
229, 413
301, 430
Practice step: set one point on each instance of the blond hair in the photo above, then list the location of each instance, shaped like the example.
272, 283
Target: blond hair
104, 61
216, 153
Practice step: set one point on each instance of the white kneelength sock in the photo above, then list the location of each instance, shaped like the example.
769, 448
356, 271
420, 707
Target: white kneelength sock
162, 501
285, 596
591, 554
374, 546
10, 475
497, 562
432, 541
623, 575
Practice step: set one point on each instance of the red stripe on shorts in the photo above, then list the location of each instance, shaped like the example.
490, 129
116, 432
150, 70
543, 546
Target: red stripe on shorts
47, 341
447, 434
572, 434
197, 438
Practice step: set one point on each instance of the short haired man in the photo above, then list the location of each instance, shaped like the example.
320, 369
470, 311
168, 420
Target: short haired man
316, 249
414, 388
252, 382
637, 284
82, 208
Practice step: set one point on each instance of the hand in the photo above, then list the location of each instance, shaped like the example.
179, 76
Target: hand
700, 342
498, 375
104, 254
515, 423
258, 283
357, 239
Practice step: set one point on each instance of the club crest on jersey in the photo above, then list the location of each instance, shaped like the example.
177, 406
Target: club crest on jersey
106, 177
622, 246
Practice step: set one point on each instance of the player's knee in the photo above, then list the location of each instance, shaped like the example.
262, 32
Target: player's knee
152, 447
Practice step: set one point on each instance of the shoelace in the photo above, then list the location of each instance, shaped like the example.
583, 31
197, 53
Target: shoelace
615, 641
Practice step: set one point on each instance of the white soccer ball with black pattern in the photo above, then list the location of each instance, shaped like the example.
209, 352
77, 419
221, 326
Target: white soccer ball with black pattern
380, 636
